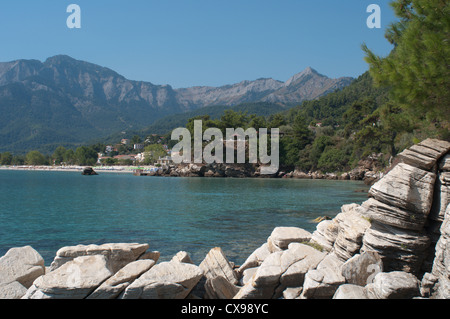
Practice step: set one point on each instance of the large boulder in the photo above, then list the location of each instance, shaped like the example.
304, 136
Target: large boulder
362, 268
19, 267
113, 286
216, 264
255, 259
281, 270
390, 215
399, 249
73, 280
281, 237
325, 234
407, 188
167, 280
350, 291
352, 226
117, 254
12, 290
89, 171
220, 288
247, 275
322, 283
395, 285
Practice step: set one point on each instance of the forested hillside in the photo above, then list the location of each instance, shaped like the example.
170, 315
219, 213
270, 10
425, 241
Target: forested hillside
402, 99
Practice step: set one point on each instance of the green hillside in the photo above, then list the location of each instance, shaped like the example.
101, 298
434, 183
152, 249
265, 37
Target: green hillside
167, 124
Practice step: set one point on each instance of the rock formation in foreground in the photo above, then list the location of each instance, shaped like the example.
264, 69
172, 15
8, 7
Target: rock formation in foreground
395, 245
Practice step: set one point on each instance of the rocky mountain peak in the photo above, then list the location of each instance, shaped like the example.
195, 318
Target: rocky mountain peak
100, 101
306, 72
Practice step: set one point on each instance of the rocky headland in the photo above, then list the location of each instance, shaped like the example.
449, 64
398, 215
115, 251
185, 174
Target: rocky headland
369, 170
395, 245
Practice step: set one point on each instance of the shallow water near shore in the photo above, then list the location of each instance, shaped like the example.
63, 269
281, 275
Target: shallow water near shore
50, 210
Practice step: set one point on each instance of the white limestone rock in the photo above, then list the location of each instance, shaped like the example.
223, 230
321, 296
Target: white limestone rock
117, 254
281, 237
281, 270
325, 234
73, 280
352, 226
405, 187
444, 164
182, 257
12, 290
396, 285
112, 287
292, 293
322, 283
425, 154
441, 196
441, 265
391, 215
255, 259
247, 275
220, 288
350, 291
22, 265
167, 280
362, 268
216, 264
153, 255
399, 249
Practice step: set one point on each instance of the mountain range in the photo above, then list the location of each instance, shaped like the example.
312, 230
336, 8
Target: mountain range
64, 101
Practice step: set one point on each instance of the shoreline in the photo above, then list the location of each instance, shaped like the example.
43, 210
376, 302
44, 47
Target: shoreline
369, 177
105, 169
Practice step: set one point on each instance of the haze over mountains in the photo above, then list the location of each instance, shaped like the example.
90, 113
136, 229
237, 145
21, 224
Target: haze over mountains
63, 101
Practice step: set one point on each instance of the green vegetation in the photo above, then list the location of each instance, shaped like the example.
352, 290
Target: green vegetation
36, 158
417, 70
402, 99
314, 245
329, 134
6, 158
85, 156
153, 152
171, 122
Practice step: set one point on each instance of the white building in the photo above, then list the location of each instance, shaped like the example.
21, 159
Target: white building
166, 160
140, 157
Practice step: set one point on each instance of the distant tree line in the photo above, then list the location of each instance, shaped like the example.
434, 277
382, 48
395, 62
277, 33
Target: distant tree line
83, 156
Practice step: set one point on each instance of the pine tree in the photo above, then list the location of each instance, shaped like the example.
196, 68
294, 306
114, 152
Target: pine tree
417, 71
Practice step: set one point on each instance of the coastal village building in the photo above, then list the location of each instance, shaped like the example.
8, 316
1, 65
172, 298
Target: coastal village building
140, 157
166, 160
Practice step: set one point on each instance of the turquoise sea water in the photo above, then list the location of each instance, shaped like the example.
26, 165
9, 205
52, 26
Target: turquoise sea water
49, 210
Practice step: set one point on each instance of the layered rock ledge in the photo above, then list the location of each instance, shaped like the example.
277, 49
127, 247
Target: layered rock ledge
395, 245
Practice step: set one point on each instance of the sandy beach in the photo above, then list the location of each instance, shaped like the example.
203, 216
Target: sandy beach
73, 168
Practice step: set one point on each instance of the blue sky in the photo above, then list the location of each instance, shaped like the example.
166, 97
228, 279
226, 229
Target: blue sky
198, 42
